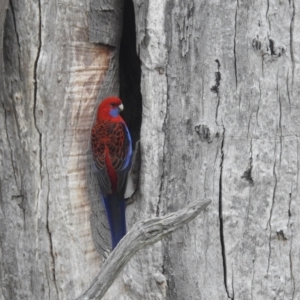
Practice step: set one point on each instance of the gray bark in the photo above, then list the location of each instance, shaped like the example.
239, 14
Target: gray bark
53, 75
3, 5
220, 121
105, 22
219, 86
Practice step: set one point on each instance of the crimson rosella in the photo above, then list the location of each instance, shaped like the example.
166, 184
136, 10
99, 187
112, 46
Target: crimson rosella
112, 151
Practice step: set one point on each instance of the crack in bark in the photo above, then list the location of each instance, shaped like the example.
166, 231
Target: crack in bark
222, 240
40, 141
253, 262
257, 111
232, 283
16, 32
165, 125
249, 124
1, 210
289, 211
267, 14
288, 91
298, 167
248, 173
163, 152
35, 84
292, 42
272, 206
279, 121
234, 45
291, 244
50, 239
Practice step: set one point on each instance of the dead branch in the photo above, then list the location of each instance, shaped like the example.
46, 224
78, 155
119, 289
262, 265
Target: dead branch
142, 234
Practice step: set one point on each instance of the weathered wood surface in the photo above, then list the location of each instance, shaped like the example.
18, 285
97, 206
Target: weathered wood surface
3, 5
53, 76
220, 90
105, 22
220, 87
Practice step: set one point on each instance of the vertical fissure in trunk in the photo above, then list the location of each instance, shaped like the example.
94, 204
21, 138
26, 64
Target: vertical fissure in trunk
130, 74
279, 120
234, 44
165, 126
267, 14
222, 240
290, 225
11, 74
269, 224
292, 42
51, 239
36, 82
16, 32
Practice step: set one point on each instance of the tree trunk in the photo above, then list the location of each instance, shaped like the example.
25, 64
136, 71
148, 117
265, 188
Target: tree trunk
220, 112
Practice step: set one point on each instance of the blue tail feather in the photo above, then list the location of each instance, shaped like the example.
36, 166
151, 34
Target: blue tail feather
115, 209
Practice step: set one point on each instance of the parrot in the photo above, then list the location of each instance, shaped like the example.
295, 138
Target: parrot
112, 152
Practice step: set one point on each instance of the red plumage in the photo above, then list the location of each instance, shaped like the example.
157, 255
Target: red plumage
112, 151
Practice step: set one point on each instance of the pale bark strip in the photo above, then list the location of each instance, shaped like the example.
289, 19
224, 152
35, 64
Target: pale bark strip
142, 234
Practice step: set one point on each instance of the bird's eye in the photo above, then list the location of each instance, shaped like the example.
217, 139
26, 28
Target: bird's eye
113, 104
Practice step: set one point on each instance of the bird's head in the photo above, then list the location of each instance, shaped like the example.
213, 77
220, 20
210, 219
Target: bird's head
110, 108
